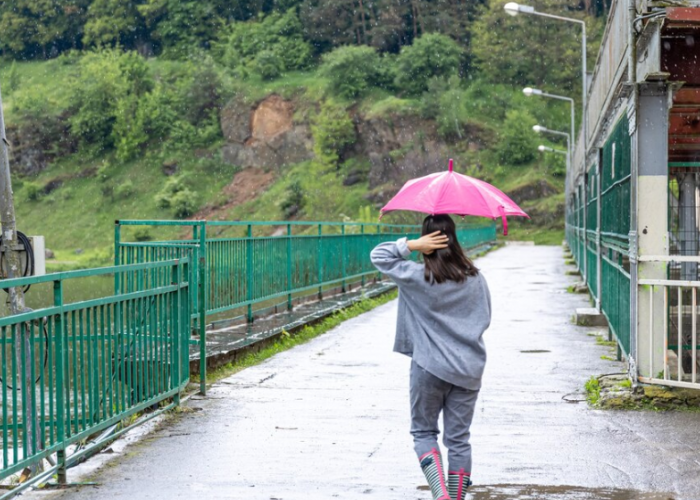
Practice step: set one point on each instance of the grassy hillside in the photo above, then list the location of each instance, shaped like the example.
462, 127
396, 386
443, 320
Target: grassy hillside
75, 200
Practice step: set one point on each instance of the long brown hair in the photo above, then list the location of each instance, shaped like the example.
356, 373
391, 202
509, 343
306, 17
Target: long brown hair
446, 264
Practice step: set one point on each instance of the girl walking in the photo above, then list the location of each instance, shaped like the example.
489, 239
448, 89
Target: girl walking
444, 309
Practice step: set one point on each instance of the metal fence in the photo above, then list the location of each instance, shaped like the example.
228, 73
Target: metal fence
600, 241
75, 375
72, 370
247, 267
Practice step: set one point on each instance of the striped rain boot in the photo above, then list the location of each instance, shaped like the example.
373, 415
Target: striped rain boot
457, 484
431, 464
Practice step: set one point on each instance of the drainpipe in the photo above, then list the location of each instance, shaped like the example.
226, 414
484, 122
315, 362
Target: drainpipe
632, 111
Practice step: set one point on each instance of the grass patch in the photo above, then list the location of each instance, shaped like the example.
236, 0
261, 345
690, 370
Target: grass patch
592, 391
600, 340
289, 340
605, 357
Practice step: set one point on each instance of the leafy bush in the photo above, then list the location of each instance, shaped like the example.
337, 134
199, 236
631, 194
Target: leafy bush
268, 65
142, 234
107, 88
333, 131
278, 33
517, 143
124, 190
430, 55
294, 201
33, 191
352, 70
184, 203
176, 195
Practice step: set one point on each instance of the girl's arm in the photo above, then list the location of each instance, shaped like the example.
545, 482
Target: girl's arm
391, 258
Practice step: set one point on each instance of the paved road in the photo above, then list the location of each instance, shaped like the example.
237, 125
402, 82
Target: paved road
330, 419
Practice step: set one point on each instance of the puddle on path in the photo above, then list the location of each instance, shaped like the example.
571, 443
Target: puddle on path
534, 492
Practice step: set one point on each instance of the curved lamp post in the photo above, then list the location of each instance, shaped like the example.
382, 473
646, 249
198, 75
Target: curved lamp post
514, 8
529, 91
542, 149
544, 130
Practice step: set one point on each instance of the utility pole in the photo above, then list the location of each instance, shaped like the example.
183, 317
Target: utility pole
10, 250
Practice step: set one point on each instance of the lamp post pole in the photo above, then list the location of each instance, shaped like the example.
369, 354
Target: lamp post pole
514, 9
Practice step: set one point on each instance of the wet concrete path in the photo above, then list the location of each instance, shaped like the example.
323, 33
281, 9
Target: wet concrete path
329, 419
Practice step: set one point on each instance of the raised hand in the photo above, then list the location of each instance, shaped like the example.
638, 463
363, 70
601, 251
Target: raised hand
429, 243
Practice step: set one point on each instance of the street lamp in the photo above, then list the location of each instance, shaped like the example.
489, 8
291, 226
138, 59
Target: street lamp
542, 149
514, 8
544, 130
529, 91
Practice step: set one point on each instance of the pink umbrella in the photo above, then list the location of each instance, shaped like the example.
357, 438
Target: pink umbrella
453, 193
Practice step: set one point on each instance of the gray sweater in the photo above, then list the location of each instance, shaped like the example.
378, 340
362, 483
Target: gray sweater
440, 325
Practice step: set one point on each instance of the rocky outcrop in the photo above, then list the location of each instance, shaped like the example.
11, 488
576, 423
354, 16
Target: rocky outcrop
398, 146
264, 135
34, 144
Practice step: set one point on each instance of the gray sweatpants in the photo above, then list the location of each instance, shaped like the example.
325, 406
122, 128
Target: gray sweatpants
430, 396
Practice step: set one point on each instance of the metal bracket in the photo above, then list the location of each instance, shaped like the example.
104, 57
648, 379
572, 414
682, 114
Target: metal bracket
634, 247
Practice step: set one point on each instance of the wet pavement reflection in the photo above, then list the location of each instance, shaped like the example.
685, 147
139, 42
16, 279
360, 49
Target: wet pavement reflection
532, 492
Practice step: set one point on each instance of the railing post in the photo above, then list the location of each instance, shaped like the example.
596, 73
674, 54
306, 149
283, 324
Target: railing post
60, 382
289, 266
203, 284
362, 232
320, 262
176, 333
117, 255
249, 272
343, 254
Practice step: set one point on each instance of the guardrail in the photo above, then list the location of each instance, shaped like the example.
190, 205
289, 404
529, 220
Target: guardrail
73, 370
74, 375
673, 345
247, 267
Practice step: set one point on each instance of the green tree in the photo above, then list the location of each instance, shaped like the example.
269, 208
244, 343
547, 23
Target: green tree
41, 28
529, 50
111, 22
279, 35
106, 91
333, 131
431, 55
353, 70
517, 142
181, 27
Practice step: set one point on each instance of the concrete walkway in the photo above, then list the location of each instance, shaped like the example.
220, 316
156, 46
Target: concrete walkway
329, 419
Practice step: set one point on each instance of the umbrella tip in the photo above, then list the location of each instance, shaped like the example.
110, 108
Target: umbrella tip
451, 164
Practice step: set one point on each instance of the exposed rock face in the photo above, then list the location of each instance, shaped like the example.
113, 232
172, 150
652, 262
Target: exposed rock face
29, 153
264, 135
399, 148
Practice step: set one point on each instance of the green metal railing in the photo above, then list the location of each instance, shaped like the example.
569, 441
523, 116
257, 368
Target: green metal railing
243, 269
612, 183
72, 370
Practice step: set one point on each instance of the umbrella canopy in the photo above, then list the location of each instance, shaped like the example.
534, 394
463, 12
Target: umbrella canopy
453, 193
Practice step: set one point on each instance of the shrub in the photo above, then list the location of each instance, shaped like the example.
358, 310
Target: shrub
294, 201
430, 55
176, 195
107, 88
268, 65
184, 203
353, 70
279, 33
517, 142
33, 191
333, 131
124, 190
142, 234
